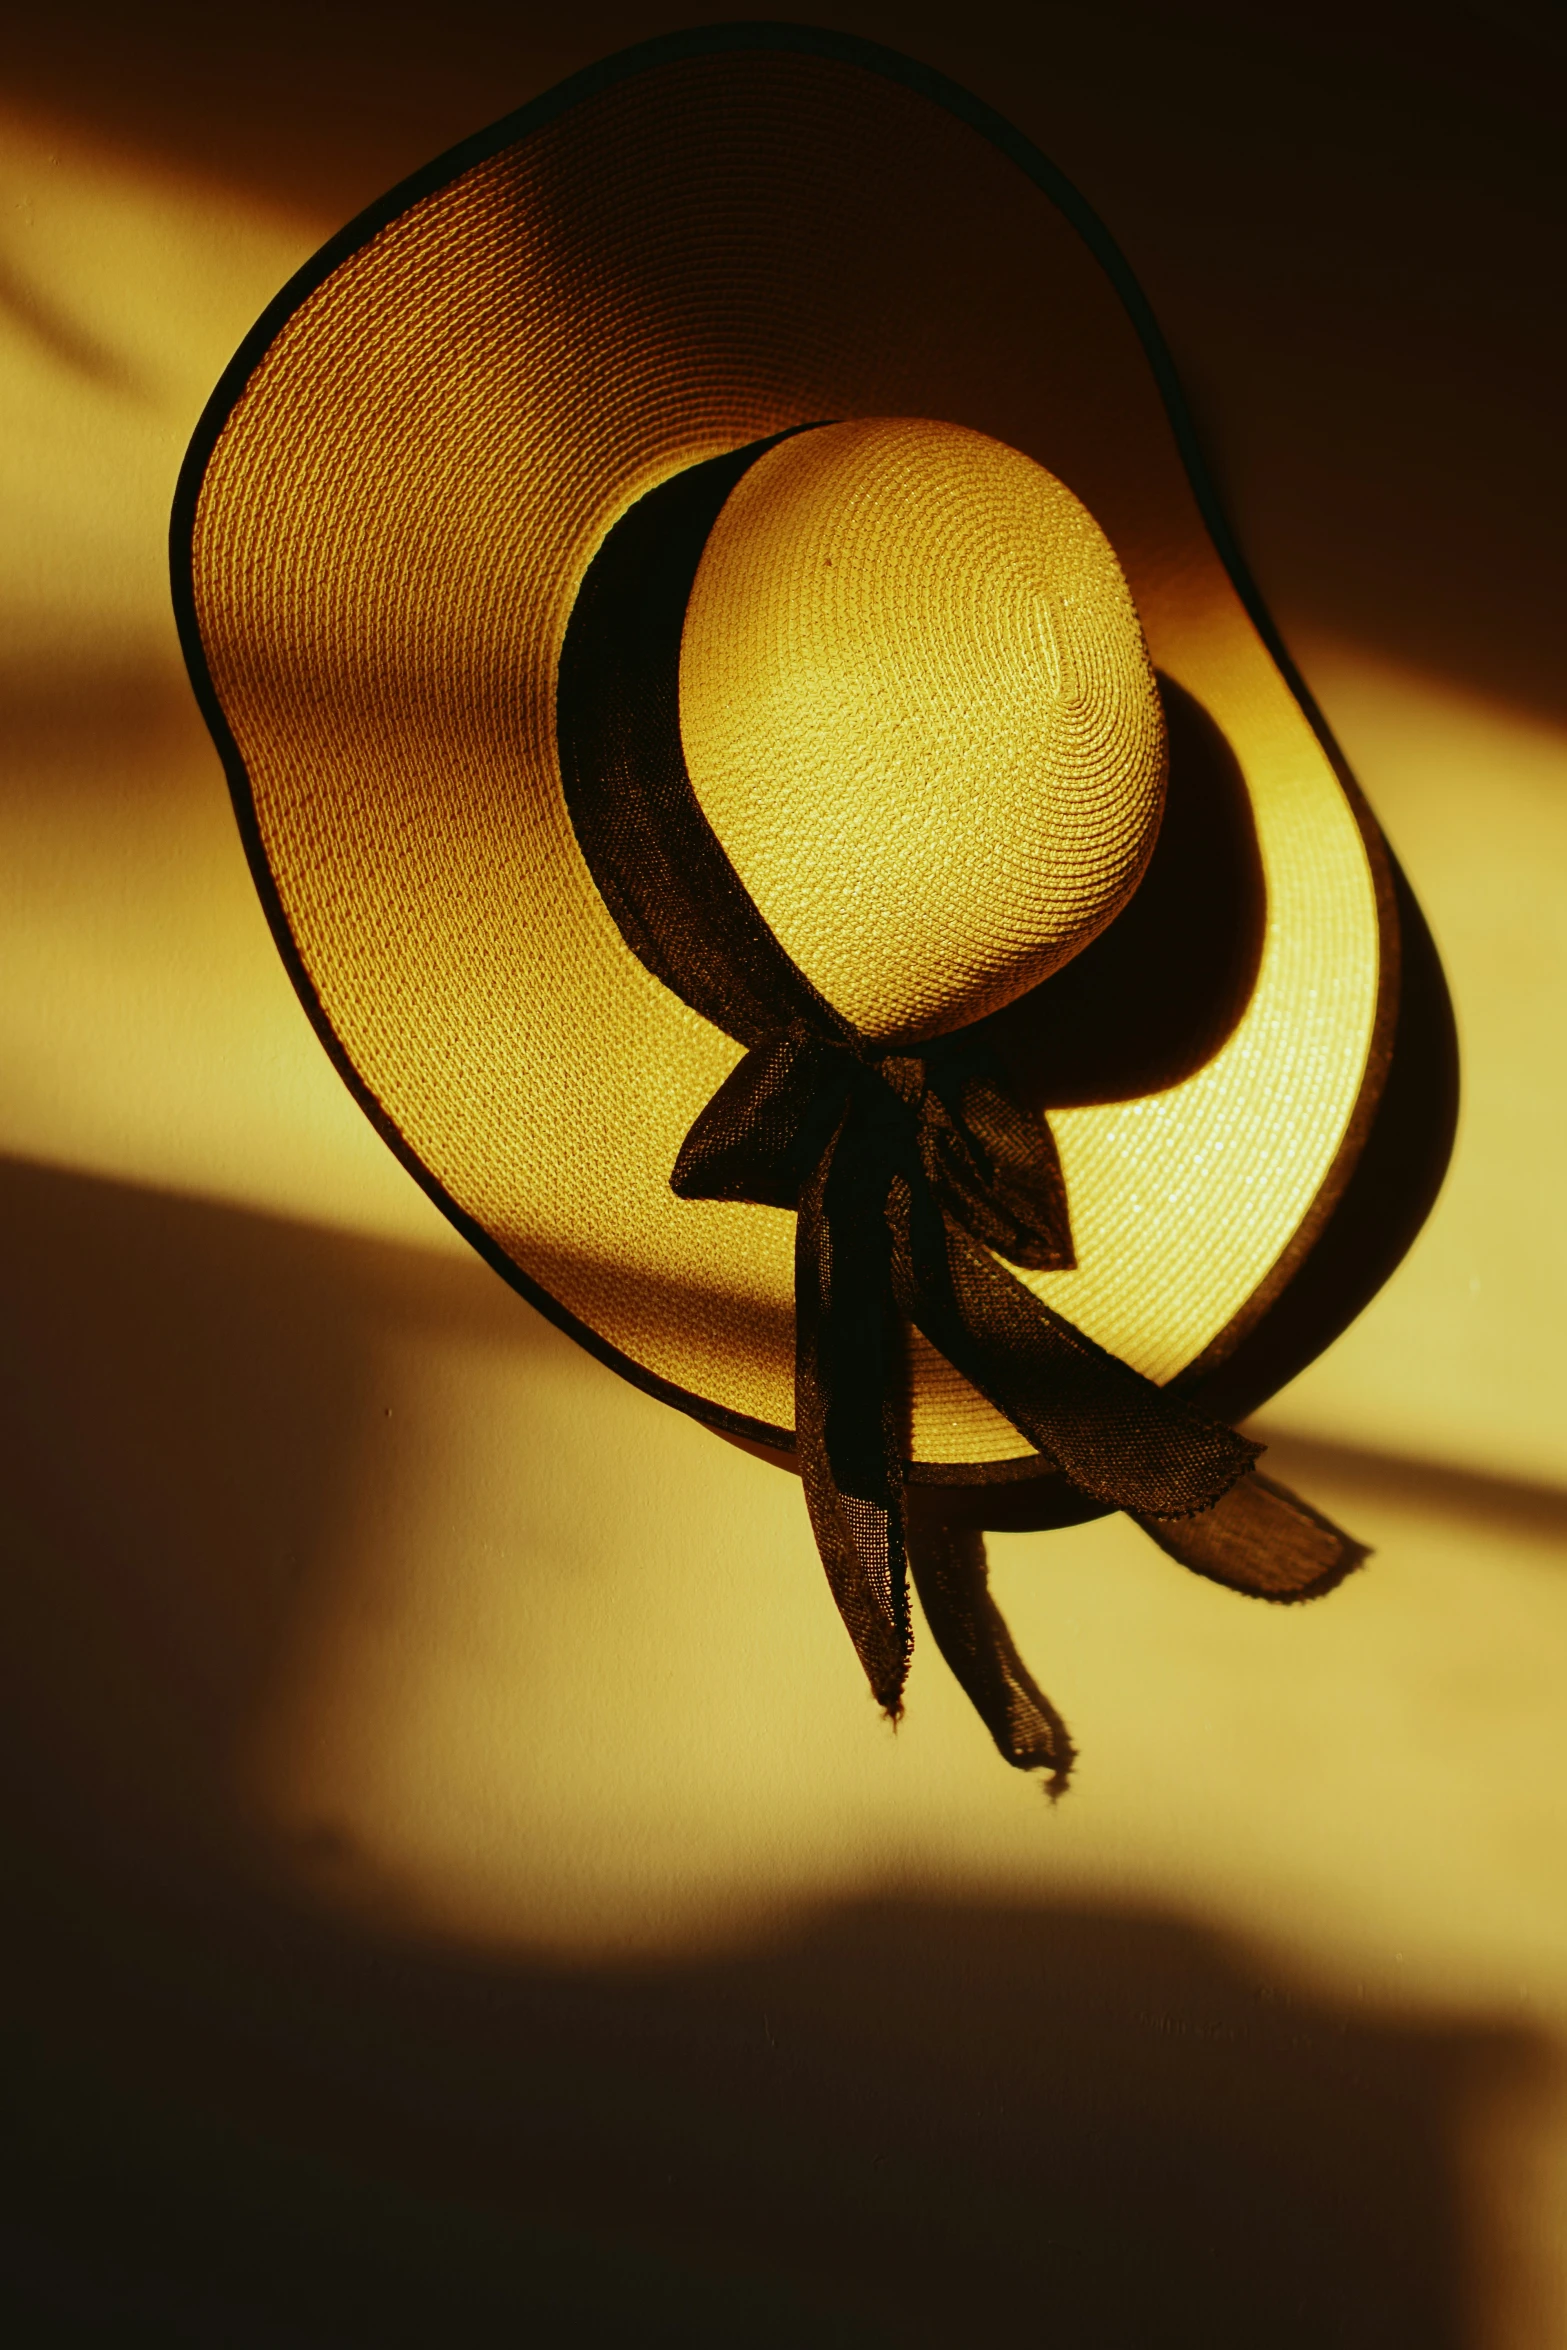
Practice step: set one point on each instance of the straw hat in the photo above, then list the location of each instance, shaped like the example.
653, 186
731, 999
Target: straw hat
782, 813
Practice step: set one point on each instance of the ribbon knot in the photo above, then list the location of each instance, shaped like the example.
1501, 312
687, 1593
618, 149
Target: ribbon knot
917, 1184
909, 1175
941, 1118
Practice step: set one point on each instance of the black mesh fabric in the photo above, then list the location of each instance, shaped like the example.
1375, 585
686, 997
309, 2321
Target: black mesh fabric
905, 1171
660, 868
952, 1578
1261, 1539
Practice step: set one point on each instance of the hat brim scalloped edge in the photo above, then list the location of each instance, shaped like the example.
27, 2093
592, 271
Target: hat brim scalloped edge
378, 533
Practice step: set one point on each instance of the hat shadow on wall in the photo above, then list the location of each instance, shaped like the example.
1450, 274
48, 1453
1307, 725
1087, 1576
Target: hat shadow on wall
912, 2119
239, 2123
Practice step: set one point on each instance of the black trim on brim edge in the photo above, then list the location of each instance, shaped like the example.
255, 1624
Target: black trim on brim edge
890, 65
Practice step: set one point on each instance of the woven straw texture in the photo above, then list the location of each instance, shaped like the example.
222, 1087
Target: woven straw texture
387, 543
918, 713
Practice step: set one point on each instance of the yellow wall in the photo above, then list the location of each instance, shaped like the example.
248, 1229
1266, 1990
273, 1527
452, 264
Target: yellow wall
343, 1589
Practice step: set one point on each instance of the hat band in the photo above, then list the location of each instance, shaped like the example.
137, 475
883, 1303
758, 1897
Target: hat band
905, 1170
661, 869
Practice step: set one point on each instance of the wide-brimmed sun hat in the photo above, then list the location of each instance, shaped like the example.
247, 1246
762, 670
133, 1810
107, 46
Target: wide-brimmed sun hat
782, 813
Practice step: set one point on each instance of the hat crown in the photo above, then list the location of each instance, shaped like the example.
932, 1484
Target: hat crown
918, 712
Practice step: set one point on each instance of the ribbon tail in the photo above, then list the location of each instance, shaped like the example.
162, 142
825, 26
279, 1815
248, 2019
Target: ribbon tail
950, 1575
1114, 1434
859, 1533
1262, 1539
1189, 1482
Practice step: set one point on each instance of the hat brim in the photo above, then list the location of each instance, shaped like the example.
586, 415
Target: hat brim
380, 530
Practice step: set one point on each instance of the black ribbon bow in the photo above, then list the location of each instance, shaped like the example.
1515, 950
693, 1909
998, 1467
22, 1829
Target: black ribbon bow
910, 1173
905, 1171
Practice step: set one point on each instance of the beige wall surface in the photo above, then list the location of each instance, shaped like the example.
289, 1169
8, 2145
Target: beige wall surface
455, 1875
